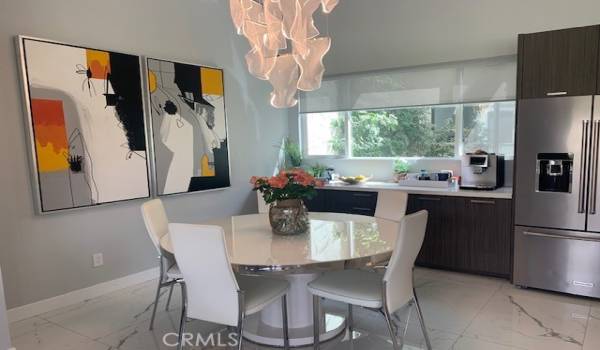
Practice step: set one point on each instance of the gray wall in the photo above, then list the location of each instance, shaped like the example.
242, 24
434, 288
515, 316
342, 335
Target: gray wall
4, 336
380, 34
45, 256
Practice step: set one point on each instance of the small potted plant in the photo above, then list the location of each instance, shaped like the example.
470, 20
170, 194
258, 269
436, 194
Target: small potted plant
293, 154
319, 171
285, 193
401, 169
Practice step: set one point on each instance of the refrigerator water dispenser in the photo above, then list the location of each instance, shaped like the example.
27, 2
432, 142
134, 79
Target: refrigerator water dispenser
554, 172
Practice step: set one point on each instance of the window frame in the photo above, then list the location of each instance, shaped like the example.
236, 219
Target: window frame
347, 155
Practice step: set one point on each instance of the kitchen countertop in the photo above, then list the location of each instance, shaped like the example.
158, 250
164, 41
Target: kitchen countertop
501, 193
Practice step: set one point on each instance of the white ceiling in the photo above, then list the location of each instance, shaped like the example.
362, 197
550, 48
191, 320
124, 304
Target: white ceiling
378, 34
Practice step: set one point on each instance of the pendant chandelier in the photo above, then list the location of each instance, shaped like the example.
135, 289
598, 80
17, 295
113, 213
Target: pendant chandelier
286, 47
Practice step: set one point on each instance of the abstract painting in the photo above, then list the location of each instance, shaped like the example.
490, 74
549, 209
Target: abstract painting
189, 127
86, 118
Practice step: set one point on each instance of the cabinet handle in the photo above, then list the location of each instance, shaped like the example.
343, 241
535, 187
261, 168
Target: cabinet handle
479, 201
362, 209
557, 93
362, 194
429, 199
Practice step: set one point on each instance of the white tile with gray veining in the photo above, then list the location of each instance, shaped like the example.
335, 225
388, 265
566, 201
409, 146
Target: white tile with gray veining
592, 334
532, 320
462, 312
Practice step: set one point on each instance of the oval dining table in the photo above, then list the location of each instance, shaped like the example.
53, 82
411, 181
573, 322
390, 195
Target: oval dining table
333, 241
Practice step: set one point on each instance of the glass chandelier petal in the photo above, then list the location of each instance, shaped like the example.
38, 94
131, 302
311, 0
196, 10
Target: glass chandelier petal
303, 27
288, 8
284, 78
259, 65
311, 66
254, 11
237, 14
274, 21
329, 5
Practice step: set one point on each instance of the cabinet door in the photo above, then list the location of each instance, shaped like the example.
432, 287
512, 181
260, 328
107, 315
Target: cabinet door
351, 202
488, 238
317, 203
559, 63
336, 202
438, 248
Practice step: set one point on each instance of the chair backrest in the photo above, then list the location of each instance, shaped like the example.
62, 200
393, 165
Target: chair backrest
263, 207
155, 218
391, 205
399, 274
212, 290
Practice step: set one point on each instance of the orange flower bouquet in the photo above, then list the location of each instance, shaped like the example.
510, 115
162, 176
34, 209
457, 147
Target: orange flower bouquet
285, 192
288, 184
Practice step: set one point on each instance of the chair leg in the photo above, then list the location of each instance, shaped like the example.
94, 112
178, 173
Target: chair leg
422, 321
170, 295
240, 332
158, 288
316, 319
350, 322
286, 335
388, 320
183, 317
407, 321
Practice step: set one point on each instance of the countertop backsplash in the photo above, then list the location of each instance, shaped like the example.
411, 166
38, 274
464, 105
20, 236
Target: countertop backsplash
382, 169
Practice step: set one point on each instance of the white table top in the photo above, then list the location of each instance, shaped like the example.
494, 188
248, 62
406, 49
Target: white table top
332, 237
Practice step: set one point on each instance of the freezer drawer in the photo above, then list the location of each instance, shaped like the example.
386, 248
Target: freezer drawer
557, 260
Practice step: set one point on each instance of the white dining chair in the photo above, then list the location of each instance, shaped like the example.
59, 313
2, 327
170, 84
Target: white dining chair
391, 205
156, 221
387, 293
263, 207
212, 292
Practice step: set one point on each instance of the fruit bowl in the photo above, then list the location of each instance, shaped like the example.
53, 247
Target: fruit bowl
354, 180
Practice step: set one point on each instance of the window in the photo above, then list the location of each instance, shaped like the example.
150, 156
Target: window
325, 134
440, 131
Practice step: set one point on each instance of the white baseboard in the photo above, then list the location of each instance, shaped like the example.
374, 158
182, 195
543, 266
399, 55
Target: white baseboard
78, 296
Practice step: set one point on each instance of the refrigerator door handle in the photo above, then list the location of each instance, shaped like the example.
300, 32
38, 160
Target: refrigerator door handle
594, 165
587, 238
584, 165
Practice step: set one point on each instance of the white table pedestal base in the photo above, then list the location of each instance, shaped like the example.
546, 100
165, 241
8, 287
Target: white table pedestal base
265, 327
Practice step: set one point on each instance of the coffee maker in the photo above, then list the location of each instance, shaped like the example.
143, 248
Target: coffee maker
482, 171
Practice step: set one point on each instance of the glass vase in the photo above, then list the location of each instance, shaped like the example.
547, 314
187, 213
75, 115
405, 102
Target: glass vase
289, 217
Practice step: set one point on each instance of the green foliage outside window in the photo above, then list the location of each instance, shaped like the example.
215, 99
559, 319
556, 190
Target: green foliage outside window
406, 132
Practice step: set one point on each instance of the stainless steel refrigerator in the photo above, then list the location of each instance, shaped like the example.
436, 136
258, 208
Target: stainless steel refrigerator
557, 204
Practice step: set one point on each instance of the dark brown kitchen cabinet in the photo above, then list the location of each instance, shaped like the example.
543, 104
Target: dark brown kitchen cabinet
559, 63
317, 203
466, 234
463, 234
488, 227
440, 238
351, 202
342, 201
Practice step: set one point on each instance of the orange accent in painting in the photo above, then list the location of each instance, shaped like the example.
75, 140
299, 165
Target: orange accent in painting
152, 84
212, 81
205, 168
98, 63
52, 145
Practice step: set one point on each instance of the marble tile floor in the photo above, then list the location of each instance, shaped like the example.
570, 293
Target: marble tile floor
462, 312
